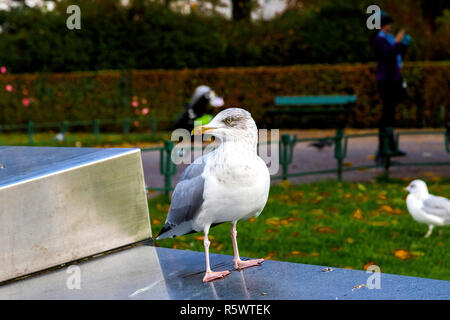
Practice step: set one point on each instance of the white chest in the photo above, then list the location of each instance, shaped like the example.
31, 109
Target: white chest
236, 188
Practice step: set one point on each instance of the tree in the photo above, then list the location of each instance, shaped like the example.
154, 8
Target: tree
241, 10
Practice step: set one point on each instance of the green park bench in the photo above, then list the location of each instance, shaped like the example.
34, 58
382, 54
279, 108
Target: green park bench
307, 105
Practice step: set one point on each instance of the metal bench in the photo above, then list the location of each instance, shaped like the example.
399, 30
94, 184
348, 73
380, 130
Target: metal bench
303, 105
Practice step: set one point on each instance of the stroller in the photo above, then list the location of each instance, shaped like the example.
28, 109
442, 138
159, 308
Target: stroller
196, 109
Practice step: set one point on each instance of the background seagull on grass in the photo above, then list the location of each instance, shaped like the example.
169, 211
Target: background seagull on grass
228, 184
427, 208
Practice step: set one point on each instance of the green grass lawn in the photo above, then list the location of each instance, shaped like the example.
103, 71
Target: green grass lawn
330, 223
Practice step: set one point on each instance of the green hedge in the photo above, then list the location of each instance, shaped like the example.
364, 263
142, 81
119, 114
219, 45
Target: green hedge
110, 94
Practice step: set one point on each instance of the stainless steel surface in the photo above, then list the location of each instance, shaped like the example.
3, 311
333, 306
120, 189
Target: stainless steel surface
146, 272
62, 204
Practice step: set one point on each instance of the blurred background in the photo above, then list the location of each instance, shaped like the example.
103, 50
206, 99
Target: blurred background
249, 51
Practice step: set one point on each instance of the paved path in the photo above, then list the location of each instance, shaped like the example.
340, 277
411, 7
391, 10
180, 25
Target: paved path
421, 148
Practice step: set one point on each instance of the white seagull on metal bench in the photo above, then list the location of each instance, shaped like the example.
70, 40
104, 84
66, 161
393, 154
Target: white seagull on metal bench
427, 208
228, 184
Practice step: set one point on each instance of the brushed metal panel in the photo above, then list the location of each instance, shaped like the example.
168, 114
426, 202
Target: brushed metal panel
62, 204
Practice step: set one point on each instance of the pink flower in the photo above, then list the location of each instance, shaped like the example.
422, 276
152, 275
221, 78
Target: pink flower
144, 111
136, 123
9, 88
3, 69
135, 104
26, 102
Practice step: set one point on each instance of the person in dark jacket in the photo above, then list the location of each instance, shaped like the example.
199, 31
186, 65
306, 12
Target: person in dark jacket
203, 97
389, 52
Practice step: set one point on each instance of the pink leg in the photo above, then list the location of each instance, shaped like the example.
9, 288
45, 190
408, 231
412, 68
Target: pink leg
211, 275
238, 263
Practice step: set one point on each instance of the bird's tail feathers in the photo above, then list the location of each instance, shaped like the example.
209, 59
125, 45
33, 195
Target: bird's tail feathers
171, 230
163, 232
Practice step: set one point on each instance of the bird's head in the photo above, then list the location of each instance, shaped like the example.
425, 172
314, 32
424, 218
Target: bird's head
230, 124
418, 188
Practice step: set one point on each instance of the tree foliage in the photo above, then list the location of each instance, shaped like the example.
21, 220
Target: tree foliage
148, 35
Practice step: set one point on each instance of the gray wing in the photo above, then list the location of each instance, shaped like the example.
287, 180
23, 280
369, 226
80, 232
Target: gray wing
437, 206
187, 198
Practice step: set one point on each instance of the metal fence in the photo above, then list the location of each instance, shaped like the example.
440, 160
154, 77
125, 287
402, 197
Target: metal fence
286, 151
64, 127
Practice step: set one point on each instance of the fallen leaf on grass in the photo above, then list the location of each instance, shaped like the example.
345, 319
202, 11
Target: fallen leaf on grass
273, 221
284, 222
163, 208
386, 208
325, 230
317, 212
379, 223
402, 254
358, 215
298, 253
285, 183
368, 264
156, 222
297, 195
270, 255
201, 238
361, 187
314, 254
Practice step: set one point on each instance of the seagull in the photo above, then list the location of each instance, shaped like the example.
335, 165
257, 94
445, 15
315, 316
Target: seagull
228, 184
427, 208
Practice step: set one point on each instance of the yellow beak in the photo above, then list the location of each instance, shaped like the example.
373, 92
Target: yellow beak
201, 129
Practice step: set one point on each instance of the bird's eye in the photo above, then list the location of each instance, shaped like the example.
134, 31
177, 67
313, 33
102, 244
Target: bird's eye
228, 120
